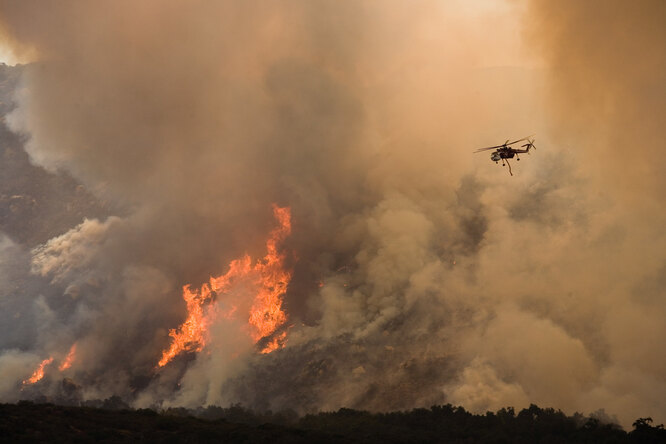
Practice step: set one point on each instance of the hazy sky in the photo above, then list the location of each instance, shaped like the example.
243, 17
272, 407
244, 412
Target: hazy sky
422, 273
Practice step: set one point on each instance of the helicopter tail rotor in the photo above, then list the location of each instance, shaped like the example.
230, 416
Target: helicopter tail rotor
529, 144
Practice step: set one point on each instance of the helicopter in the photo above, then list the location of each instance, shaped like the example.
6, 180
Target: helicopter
504, 152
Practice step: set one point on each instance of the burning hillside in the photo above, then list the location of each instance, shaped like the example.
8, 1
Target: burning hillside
267, 280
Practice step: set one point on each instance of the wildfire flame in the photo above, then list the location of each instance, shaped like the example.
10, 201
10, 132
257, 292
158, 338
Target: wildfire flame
275, 343
69, 359
266, 314
39, 373
191, 335
267, 277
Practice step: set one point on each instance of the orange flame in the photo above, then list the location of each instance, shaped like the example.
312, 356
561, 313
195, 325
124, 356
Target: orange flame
275, 343
191, 335
266, 314
269, 279
69, 359
39, 373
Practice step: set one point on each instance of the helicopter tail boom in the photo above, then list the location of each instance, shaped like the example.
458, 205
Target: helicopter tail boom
528, 145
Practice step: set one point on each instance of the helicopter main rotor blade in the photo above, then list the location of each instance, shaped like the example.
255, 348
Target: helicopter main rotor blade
504, 145
492, 147
489, 148
519, 140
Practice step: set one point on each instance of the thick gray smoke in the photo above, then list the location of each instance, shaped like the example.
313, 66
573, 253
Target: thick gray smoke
423, 273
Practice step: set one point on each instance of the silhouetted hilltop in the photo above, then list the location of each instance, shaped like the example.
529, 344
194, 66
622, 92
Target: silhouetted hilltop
29, 422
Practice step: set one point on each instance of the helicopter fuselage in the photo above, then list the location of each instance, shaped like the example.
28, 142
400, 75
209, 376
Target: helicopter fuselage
498, 155
504, 153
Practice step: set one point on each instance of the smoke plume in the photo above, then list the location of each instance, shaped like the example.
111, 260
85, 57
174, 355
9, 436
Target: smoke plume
422, 273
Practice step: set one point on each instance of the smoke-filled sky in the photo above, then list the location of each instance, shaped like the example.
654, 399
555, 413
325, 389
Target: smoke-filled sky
422, 273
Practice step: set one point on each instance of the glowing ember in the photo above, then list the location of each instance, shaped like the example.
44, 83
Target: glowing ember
39, 373
275, 343
69, 359
267, 278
